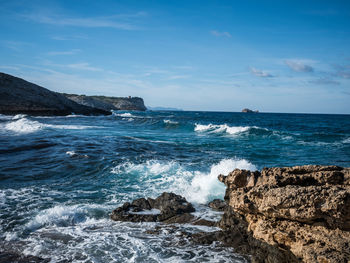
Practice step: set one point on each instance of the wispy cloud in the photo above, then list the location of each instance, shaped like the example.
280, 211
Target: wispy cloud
342, 71
174, 77
9, 67
260, 73
60, 53
83, 66
121, 21
324, 81
64, 38
220, 34
15, 45
298, 66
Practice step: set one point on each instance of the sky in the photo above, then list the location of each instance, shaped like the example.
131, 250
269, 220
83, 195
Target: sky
274, 56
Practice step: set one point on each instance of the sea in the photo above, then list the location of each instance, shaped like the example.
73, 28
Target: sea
61, 177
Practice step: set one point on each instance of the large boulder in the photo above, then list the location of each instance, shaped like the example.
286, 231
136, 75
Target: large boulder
19, 96
291, 214
167, 208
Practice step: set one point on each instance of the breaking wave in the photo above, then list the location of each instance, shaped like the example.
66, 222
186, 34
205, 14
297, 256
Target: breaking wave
197, 186
20, 124
223, 128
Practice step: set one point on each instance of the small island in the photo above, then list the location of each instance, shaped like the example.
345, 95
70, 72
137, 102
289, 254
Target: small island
246, 110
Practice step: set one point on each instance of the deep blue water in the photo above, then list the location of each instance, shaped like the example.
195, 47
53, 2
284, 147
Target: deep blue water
60, 177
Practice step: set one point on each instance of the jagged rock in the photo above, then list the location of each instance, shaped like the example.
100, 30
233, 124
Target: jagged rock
109, 103
167, 208
18, 96
218, 205
290, 214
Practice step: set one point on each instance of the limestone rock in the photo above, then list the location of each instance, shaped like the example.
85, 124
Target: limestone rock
290, 214
109, 103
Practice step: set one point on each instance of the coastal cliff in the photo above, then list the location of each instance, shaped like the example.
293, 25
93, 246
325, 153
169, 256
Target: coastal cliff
295, 214
109, 103
20, 96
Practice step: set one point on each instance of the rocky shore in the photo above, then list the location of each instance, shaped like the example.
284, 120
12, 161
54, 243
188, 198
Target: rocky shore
292, 214
18, 96
109, 103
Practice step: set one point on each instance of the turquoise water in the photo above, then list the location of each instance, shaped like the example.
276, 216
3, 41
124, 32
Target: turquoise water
60, 177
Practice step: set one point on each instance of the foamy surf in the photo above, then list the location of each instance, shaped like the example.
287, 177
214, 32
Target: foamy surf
170, 122
22, 125
125, 115
222, 128
197, 186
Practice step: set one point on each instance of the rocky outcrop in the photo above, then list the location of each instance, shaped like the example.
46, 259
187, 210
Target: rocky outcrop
18, 96
295, 214
246, 110
167, 208
109, 103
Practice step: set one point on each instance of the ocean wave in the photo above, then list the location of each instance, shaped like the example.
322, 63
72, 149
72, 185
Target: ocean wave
22, 125
170, 122
125, 115
197, 186
106, 241
347, 140
59, 216
222, 128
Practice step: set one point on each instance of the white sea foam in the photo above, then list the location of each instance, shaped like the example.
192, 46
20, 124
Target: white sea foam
170, 122
222, 128
125, 115
347, 140
19, 116
59, 216
23, 125
5, 117
196, 186
103, 240
71, 153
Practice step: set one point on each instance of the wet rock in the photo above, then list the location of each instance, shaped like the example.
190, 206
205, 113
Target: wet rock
218, 205
167, 208
289, 214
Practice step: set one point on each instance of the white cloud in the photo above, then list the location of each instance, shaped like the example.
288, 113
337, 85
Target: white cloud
260, 73
298, 66
220, 34
121, 21
83, 66
59, 53
178, 77
325, 81
15, 45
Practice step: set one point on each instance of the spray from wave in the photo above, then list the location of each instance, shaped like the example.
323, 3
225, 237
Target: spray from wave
197, 186
223, 128
21, 124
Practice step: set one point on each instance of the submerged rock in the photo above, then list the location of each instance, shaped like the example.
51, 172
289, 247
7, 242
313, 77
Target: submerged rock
294, 214
167, 208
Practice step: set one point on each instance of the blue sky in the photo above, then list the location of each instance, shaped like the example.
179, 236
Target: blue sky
275, 56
